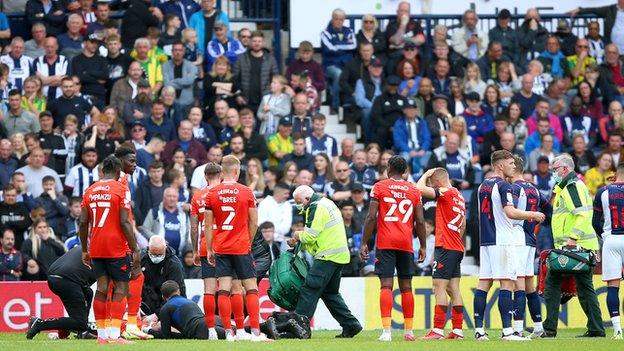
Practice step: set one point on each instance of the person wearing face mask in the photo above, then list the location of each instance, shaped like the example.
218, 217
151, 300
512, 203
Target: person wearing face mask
324, 238
159, 264
572, 226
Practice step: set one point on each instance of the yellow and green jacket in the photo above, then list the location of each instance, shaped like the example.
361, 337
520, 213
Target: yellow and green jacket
572, 214
324, 234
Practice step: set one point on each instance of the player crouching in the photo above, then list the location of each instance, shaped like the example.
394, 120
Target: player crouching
449, 250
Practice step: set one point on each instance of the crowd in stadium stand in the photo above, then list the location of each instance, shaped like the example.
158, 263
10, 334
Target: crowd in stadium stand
171, 79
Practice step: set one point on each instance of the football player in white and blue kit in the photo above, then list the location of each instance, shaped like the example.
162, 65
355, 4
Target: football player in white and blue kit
608, 222
498, 244
529, 199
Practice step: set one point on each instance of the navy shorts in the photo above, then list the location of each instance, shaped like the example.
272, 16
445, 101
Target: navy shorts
117, 269
446, 263
208, 271
235, 266
386, 261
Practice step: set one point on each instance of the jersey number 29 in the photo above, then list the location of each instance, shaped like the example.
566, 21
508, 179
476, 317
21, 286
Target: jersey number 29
405, 207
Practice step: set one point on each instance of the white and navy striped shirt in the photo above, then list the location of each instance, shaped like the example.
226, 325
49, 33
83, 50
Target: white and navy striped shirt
59, 67
80, 178
19, 69
138, 176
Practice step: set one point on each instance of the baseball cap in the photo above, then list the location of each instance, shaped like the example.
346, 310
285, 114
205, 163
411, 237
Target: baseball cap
410, 103
376, 62
137, 123
440, 96
563, 26
393, 80
473, 96
543, 159
285, 121
357, 187
143, 83
410, 45
88, 149
94, 38
504, 14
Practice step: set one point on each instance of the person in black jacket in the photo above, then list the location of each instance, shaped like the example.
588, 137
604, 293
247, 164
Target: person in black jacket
387, 108
14, 215
56, 206
264, 249
92, 69
353, 70
54, 19
137, 18
41, 249
71, 281
159, 264
52, 144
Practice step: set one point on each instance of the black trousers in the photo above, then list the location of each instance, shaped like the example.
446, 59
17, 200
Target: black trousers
77, 301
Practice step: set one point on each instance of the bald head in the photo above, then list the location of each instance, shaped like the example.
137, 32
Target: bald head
157, 245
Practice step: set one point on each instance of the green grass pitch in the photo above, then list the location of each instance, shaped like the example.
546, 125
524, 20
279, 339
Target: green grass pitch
324, 340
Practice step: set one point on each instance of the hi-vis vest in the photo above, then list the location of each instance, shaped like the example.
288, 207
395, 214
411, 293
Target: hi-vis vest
324, 234
572, 214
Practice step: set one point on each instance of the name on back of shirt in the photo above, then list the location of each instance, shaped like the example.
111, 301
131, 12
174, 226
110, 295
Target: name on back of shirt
100, 197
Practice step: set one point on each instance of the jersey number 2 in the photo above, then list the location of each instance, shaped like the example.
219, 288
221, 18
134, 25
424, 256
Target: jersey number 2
405, 208
94, 211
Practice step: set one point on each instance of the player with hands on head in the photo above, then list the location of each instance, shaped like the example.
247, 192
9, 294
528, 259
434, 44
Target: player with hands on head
450, 226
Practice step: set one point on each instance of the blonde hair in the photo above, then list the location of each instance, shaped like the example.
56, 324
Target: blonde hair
230, 164
369, 16
260, 185
36, 240
463, 137
221, 59
186, 33
468, 67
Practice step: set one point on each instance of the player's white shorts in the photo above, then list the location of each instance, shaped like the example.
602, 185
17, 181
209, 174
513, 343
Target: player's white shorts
498, 262
526, 261
612, 257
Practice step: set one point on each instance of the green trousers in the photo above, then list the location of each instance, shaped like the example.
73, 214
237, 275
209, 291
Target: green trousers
323, 282
586, 295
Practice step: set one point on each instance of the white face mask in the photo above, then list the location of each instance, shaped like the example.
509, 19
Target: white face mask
299, 207
156, 259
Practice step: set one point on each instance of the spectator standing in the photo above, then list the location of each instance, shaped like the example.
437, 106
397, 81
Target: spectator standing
34, 47
304, 62
81, 176
71, 42
8, 162
402, 30
169, 221
532, 35
507, 36
35, 171
203, 22
19, 64
370, 33
72, 103
566, 38
277, 209
51, 68
274, 106
387, 108
478, 122
367, 88
92, 69
337, 45
150, 62
42, 248
48, 12
412, 139
596, 42
613, 30
181, 75
136, 19
254, 70
353, 70
149, 193
222, 45
14, 215
11, 262
56, 206
468, 41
